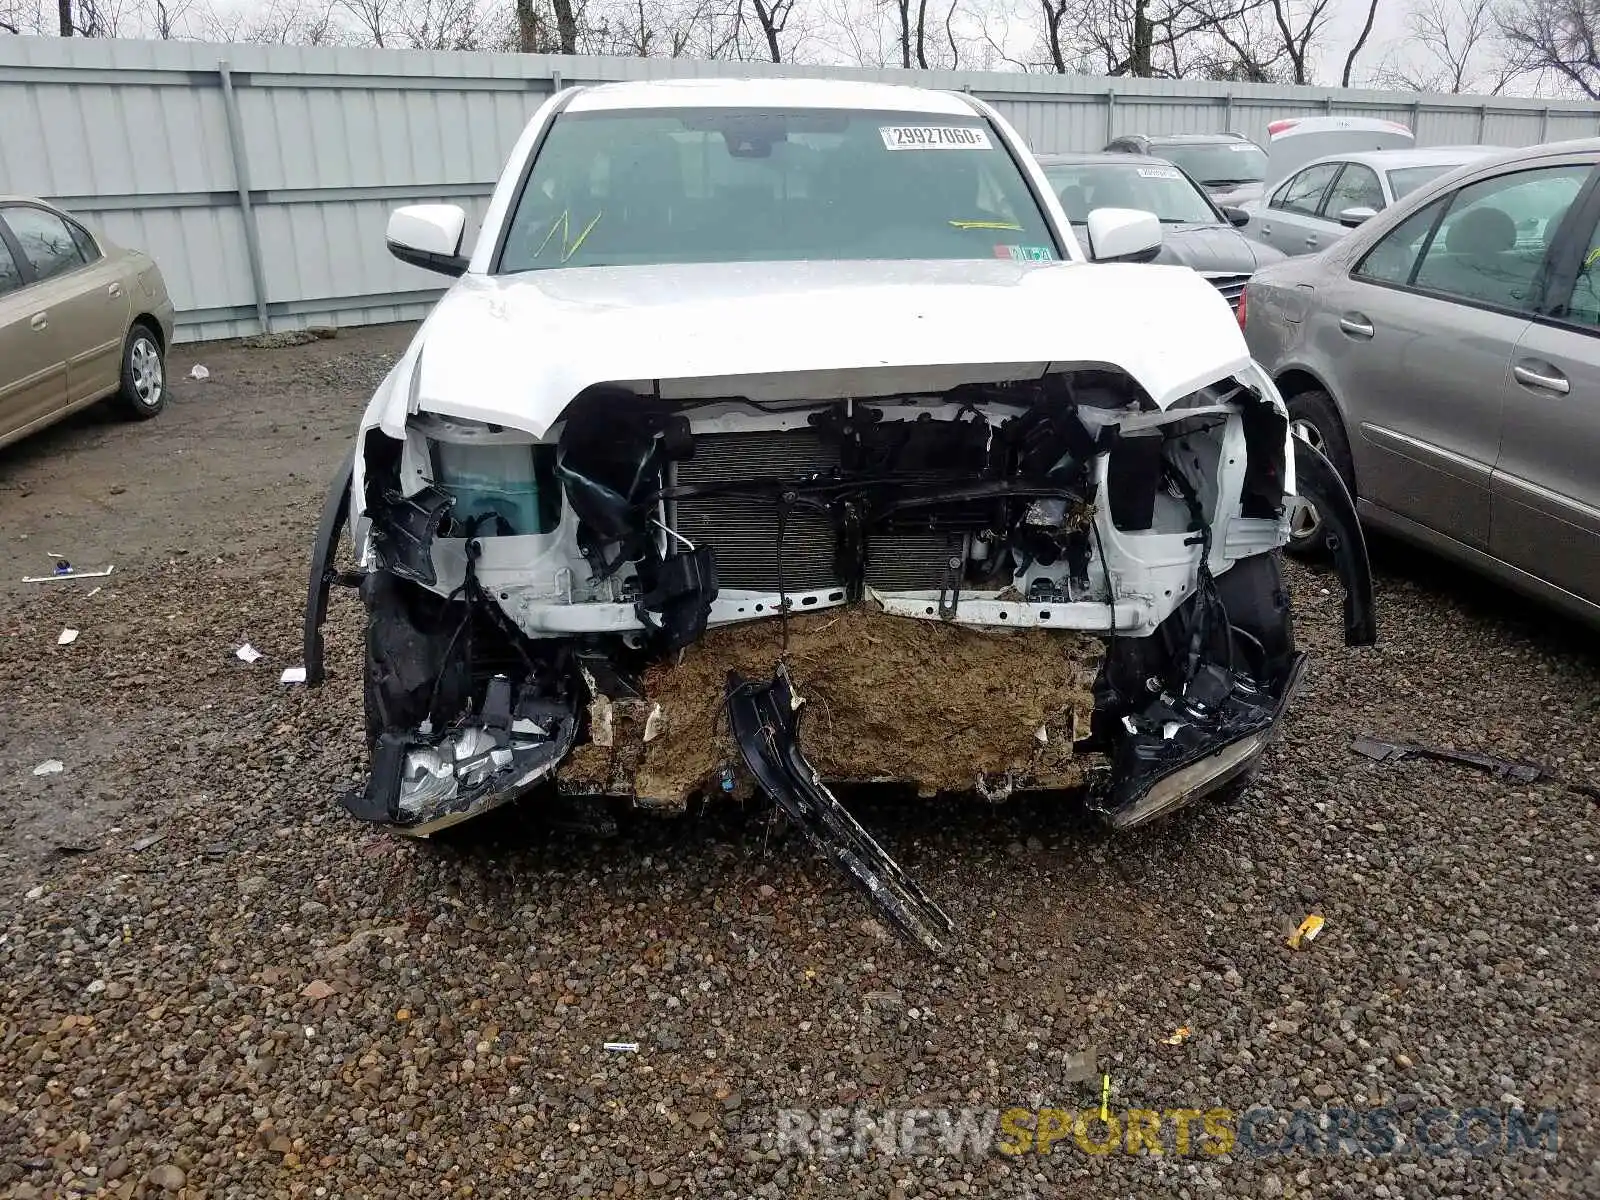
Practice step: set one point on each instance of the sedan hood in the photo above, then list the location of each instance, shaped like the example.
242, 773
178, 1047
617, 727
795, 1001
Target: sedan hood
516, 349
1219, 249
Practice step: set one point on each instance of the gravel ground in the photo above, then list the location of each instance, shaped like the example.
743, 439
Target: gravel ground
212, 981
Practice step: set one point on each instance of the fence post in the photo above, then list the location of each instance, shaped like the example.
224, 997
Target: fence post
1416, 119
241, 177
1483, 121
1544, 125
1227, 112
555, 82
1111, 109
1327, 105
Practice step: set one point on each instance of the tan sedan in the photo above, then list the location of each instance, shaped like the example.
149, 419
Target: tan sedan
80, 319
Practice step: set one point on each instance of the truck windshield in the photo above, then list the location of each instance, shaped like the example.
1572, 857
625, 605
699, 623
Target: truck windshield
1152, 186
632, 187
1218, 164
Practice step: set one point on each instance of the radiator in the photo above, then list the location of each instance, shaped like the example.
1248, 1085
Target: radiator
744, 532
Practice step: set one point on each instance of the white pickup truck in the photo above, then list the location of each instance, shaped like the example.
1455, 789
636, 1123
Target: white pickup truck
767, 393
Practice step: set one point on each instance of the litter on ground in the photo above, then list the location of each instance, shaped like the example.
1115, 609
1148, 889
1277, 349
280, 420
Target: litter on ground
1500, 768
247, 653
50, 766
199, 372
68, 636
70, 572
1307, 932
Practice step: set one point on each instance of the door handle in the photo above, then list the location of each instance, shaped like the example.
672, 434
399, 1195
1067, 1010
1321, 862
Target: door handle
1311, 240
114, 290
40, 320
1542, 376
1356, 326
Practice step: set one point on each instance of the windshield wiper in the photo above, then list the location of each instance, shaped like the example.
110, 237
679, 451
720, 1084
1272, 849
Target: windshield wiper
1223, 182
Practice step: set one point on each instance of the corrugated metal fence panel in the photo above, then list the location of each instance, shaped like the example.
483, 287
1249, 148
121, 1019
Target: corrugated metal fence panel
134, 136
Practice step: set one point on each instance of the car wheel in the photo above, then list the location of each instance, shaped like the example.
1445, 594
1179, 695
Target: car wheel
1314, 419
144, 374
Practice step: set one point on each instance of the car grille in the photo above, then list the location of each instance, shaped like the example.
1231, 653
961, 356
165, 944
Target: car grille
743, 531
1231, 287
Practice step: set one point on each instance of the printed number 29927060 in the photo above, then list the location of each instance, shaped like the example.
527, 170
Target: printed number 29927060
934, 137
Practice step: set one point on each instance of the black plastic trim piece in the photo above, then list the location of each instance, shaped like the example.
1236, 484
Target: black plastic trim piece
334, 511
765, 721
1317, 481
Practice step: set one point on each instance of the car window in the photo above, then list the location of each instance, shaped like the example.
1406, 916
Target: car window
1395, 256
1151, 186
1303, 193
1356, 187
1219, 163
86, 246
738, 185
1583, 308
46, 241
10, 273
1492, 242
1405, 180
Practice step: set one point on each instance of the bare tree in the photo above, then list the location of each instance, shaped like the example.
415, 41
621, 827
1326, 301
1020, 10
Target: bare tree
1361, 41
773, 17
1300, 30
1450, 48
1557, 39
280, 22
566, 26
373, 19
1138, 38
25, 17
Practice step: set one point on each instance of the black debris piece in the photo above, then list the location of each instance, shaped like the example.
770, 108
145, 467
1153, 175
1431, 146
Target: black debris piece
1500, 768
765, 721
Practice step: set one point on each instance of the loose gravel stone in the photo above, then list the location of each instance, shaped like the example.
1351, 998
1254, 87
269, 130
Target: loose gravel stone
161, 1034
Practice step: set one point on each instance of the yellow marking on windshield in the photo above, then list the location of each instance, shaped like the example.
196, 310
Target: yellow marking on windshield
564, 224
986, 225
1594, 257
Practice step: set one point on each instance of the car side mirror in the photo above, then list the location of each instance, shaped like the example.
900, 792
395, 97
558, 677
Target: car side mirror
1351, 217
1237, 217
428, 236
1123, 235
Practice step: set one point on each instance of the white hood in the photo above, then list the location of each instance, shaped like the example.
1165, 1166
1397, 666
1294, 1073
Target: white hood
515, 349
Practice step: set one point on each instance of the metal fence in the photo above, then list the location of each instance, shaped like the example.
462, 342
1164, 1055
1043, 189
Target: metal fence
261, 177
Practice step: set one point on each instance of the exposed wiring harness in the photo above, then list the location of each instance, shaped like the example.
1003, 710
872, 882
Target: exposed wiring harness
1210, 613
472, 592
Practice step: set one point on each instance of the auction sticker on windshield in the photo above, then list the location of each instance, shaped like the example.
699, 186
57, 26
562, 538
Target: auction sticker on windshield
934, 137
1158, 173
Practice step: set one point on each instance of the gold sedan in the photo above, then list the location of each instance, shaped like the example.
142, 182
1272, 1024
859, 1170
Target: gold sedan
80, 319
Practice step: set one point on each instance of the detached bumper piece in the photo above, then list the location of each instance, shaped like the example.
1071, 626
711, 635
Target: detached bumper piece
422, 784
1319, 484
1179, 749
765, 719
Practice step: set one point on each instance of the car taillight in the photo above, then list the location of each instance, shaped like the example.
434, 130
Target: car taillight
1276, 127
1239, 311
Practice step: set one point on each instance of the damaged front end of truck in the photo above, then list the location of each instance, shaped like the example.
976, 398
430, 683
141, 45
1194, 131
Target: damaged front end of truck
959, 577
